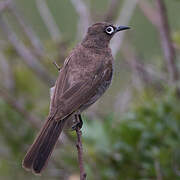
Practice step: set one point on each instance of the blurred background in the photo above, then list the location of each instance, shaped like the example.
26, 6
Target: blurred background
133, 131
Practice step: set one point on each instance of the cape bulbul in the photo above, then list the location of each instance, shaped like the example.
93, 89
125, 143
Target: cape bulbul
84, 77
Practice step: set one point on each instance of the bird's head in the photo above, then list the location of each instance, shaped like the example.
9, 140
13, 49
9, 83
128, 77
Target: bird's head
99, 34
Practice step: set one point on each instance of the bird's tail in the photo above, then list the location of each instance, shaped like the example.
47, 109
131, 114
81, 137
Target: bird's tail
40, 151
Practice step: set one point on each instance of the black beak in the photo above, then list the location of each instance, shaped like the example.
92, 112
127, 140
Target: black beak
122, 28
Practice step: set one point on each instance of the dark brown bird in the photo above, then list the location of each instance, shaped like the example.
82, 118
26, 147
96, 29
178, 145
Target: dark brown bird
84, 77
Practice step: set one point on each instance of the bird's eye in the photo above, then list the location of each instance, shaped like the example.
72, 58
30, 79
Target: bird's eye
109, 30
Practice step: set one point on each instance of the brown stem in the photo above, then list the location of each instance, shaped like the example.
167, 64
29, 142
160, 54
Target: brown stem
166, 41
80, 149
57, 66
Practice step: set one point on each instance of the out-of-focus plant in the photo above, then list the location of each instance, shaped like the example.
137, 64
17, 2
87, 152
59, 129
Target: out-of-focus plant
143, 144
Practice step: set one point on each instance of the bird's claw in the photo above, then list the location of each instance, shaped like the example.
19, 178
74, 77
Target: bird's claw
77, 125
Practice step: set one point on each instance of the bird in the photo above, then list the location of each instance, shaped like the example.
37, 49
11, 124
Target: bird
84, 77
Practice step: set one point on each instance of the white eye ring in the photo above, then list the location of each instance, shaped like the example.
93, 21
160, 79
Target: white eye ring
109, 30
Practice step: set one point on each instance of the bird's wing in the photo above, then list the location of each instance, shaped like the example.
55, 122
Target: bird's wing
79, 93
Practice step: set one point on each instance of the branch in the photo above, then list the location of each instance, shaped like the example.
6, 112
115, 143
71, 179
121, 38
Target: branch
57, 66
123, 18
84, 16
48, 20
166, 41
25, 53
80, 148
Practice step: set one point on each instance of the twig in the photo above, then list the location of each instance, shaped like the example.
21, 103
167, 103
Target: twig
28, 57
57, 66
123, 19
84, 16
166, 41
48, 20
80, 149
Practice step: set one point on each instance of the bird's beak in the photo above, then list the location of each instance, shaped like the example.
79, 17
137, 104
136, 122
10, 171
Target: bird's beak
122, 28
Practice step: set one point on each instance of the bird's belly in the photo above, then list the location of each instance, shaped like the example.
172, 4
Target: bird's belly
100, 91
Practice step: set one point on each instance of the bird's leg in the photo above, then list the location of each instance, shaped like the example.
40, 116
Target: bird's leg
78, 122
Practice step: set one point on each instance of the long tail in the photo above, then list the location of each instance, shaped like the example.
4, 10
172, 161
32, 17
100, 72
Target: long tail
40, 151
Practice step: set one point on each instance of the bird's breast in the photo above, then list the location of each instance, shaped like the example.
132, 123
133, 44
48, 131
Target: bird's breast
103, 86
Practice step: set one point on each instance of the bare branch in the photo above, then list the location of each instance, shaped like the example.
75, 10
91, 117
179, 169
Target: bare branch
35, 41
48, 20
25, 53
56, 65
166, 41
84, 16
15, 105
123, 18
80, 149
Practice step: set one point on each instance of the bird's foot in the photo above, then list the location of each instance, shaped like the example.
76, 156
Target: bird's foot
78, 124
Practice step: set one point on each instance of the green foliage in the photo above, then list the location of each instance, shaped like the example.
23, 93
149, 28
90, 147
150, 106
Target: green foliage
15, 133
144, 143
14, 130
